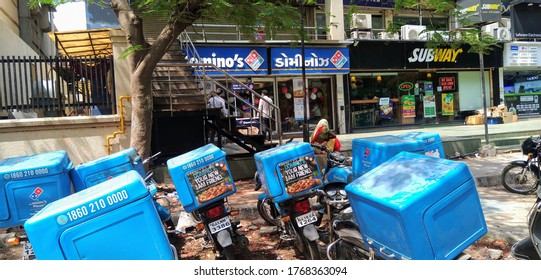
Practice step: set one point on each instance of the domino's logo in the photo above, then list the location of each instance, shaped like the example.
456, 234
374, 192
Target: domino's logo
36, 193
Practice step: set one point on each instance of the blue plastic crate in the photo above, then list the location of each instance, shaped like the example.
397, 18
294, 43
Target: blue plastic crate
116, 220
417, 207
370, 152
93, 172
201, 176
28, 183
288, 169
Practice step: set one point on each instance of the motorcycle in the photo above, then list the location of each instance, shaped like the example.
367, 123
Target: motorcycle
217, 229
529, 248
522, 176
337, 173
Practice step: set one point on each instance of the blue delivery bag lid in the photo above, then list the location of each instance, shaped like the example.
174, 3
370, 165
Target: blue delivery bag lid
90, 173
43, 164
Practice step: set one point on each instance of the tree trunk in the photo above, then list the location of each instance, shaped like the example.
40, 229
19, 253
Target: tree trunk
141, 117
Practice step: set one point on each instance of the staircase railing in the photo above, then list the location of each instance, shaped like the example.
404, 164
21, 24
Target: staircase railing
234, 100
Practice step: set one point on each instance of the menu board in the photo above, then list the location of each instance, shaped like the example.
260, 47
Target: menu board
210, 181
300, 174
447, 83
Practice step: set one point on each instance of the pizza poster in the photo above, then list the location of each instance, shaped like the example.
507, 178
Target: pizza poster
210, 181
300, 174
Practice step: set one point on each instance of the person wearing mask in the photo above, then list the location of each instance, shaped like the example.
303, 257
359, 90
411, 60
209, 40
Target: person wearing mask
265, 109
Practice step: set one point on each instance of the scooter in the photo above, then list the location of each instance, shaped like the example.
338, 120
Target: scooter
530, 247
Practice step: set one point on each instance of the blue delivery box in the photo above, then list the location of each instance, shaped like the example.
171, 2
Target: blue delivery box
28, 183
431, 142
116, 220
370, 152
201, 176
287, 170
93, 172
417, 207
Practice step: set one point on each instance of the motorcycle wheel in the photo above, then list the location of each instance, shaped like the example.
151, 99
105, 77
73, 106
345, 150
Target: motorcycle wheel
306, 248
229, 252
267, 211
515, 182
346, 251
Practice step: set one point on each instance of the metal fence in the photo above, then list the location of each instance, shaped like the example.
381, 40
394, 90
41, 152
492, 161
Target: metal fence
56, 86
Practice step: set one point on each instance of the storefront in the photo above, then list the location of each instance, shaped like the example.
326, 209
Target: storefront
404, 82
522, 77
278, 70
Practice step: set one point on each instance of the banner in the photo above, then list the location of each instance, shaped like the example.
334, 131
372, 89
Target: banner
385, 108
447, 104
298, 102
408, 106
429, 104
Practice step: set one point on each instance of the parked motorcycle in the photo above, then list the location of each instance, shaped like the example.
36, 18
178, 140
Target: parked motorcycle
204, 182
530, 247
522, 176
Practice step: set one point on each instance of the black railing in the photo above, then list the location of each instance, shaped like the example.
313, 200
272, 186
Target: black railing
57, 86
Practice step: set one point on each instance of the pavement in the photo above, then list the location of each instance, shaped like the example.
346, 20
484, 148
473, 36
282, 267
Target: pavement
505, 212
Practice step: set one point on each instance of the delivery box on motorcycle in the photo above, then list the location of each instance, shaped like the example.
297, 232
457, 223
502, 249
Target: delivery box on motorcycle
287, 170
28, 183
115, 220
418, 207
93, 172
431, 142
369, 152
201, 176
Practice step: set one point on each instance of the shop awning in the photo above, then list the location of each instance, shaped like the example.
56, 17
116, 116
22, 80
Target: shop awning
84, 43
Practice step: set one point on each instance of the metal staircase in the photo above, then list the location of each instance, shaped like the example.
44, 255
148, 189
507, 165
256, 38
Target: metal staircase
181, 83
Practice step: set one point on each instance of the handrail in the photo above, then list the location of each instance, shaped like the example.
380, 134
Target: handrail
200, 70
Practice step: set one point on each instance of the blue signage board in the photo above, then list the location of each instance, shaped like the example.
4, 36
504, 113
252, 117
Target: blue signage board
370, 3
317, 61
247, 61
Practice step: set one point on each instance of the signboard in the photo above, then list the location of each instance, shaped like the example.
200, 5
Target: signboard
316, 61
447, 104
429, 106
298, 101
406, 86
447, 83
525, 20
522, 54
247, 61
480, 11
408, 106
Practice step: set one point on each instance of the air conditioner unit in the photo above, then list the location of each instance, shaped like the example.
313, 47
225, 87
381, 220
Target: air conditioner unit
360, 21
489, 28
502, 34
430, 35
360, 35
505, 22
413, 32
388, 36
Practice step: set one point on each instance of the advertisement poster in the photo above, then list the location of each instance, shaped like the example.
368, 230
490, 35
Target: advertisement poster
408, 106
429, 104
429, 88
210, 181
447, 104
298, 102
300, 174
385, 108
